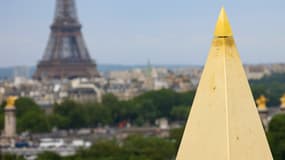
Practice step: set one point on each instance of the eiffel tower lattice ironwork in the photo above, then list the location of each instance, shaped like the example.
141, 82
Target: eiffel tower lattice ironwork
66, 55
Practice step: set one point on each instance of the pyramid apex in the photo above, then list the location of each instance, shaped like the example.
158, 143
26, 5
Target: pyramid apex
223, 27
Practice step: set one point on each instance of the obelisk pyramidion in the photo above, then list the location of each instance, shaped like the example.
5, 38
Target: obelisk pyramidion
224, 123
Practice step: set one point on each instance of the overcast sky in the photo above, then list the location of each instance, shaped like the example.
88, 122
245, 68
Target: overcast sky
133, 31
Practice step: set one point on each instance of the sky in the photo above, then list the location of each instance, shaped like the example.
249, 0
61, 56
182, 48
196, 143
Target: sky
131, 32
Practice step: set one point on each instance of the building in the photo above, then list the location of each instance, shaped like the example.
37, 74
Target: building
84, 91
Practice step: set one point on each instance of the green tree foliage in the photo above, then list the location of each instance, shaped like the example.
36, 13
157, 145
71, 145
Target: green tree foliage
156, 104
138, 147
117, 108
49, 156
33, 121
144, 109
272, 86
104, 150
76, 115
10, 157
133, 148
58, 121
276, 136
176, 135
164, 100
1, 119
180, 113
141, 110
25, 105
98, 115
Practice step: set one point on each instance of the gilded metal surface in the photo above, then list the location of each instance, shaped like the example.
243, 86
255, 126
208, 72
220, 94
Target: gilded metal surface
11, 102
223, 27
224, 123
282, 100
261, 103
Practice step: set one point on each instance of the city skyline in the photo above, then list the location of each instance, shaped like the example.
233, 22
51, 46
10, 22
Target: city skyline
128, 32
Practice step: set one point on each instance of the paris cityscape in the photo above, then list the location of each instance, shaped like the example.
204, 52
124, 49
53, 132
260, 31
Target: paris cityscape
69, 106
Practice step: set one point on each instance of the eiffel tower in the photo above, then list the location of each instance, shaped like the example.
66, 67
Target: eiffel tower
66, 55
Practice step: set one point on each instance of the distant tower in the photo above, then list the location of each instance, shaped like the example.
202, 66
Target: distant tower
149, 80
10, 118
66, 55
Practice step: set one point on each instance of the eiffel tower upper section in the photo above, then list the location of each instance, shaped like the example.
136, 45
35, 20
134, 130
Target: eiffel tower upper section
66, 55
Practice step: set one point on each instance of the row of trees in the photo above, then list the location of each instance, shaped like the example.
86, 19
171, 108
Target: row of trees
141, 110
276, 136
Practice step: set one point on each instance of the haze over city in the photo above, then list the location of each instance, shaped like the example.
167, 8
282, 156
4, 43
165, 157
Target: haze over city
131, 32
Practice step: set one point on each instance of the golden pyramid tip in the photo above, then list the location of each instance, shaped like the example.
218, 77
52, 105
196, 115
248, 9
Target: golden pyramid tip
223, 27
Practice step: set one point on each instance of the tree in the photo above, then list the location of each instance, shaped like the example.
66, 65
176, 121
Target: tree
58, 121
65, 108
276, 136
110, 100
138, 147
73, 114
103, 150
185, 98
24, 105
10, 157
176, 135
99, 115
114, 105
180, 113
33, 121
49, 156
163, 100
134, 147
146, 112
1, 120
